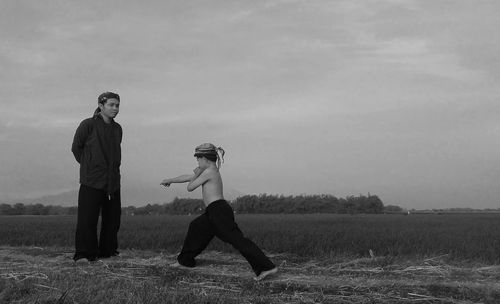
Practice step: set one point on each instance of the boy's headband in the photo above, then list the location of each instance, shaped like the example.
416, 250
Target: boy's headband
208, 149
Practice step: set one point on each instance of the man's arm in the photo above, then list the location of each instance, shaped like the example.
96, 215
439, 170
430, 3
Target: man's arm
121, 132
81, 134
199, 180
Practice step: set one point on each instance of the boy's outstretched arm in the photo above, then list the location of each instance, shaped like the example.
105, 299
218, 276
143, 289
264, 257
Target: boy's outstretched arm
179, 179
182, 178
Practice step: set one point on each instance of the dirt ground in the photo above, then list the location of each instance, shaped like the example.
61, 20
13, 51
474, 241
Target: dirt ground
48, 275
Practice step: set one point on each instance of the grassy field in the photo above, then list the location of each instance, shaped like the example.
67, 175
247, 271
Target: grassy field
322, 259
472, 237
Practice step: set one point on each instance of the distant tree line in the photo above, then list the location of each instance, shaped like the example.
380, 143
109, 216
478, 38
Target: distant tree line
265, 203
36, 209
262, 203
177, 206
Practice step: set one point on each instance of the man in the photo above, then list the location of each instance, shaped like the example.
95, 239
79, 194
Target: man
96, 147
218, 219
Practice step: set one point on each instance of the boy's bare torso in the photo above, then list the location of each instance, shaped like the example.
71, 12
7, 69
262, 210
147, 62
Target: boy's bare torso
212, 189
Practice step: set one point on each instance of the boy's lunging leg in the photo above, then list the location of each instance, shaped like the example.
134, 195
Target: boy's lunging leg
248, 249
226, 229
199, 235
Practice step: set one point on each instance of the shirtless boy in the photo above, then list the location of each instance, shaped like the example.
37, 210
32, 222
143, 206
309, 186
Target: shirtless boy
218, 218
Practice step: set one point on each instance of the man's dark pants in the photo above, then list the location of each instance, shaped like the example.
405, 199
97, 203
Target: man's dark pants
218, 220
91, 203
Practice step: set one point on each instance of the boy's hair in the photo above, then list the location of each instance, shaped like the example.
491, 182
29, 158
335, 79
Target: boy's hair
210, 157
103, 98
210, 152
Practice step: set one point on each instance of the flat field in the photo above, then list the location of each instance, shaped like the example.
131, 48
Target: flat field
322, 259
473, 237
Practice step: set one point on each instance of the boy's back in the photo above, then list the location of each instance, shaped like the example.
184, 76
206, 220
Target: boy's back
212, 188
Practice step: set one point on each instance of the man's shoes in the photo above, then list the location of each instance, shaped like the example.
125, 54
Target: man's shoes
113, 255
266, 273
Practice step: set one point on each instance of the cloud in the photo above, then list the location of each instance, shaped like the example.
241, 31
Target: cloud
259, 115
417, 56
345, 91
241, 15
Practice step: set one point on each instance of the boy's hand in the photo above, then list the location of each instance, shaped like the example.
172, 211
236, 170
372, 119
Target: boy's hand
165, 183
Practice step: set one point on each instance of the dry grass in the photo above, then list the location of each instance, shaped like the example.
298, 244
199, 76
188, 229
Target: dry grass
48, 275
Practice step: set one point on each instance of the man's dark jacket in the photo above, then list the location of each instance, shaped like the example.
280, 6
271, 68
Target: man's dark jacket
96, 147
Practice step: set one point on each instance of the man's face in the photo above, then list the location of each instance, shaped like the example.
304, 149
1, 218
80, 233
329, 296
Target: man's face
110, 108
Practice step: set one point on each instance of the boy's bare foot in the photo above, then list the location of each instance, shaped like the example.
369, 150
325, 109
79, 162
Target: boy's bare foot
266, 273
84, 261
178, 265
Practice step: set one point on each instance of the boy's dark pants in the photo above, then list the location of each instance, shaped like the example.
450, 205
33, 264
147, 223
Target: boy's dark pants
91, 202
218, 220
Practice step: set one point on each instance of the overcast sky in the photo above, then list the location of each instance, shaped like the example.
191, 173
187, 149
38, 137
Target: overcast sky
396, 98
